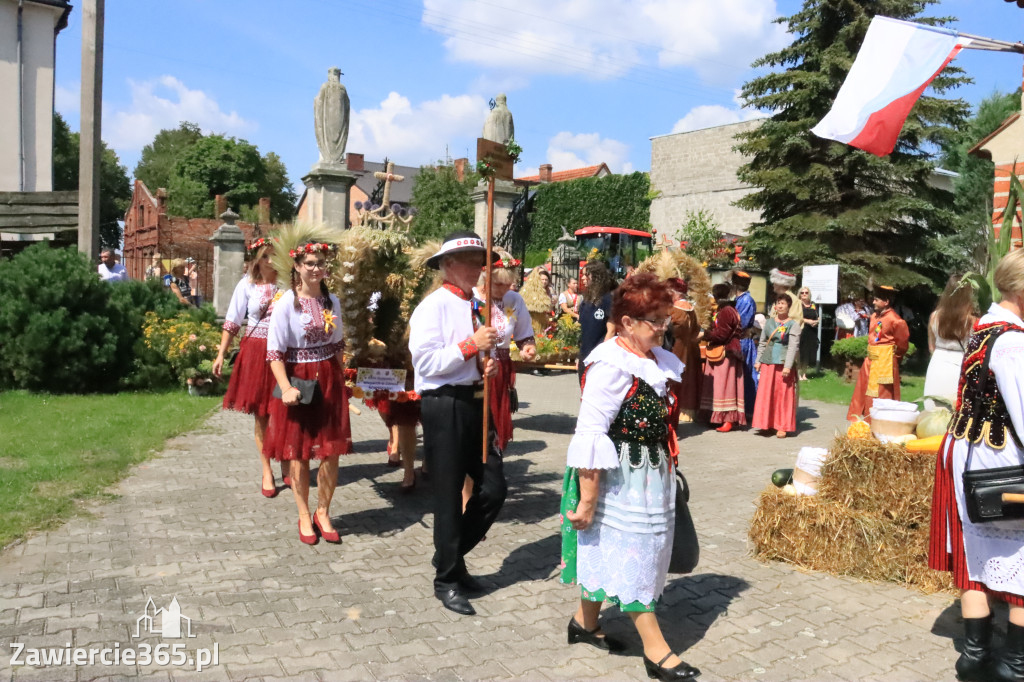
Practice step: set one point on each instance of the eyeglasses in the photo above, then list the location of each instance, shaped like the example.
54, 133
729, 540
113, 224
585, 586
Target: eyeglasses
657, 324
319, 265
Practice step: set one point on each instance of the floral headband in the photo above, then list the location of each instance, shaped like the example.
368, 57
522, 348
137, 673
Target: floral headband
508, 263
311, 248
259, 243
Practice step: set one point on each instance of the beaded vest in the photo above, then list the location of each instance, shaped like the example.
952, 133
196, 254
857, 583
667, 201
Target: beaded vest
993, 421
639, 431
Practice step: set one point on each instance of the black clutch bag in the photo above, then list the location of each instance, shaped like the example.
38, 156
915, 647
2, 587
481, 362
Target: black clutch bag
984, 488
309, 390
685, 548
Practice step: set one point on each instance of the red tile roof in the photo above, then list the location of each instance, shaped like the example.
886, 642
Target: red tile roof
574, 174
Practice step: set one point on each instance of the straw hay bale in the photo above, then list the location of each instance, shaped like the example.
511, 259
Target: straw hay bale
869, 520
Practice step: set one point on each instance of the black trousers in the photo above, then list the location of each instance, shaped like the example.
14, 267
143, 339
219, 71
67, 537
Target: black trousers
452, 440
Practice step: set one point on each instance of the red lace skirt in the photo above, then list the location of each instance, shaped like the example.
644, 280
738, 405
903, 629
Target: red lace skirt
501, 399
315, 431
251, 382
946, 536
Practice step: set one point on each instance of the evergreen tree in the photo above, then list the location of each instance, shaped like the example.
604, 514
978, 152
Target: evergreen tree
825, 202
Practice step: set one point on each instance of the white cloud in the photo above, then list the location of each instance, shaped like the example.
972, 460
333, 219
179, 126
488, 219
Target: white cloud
67, 101
416, 134
164, 103
607, 38
575, 150
711, 115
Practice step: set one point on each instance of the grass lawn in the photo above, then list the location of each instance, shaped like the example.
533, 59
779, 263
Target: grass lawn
828, 387
59, 450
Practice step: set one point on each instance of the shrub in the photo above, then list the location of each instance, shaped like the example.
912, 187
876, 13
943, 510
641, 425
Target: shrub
614, 200
149, 369
855, 349
61, 332
187, 341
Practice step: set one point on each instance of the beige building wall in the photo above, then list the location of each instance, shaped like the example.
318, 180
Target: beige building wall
696, 170
30, 134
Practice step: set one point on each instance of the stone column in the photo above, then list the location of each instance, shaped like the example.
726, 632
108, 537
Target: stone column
228, 261
505, 194
327, 194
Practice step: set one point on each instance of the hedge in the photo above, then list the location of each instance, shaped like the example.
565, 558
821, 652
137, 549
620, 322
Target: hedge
614, 200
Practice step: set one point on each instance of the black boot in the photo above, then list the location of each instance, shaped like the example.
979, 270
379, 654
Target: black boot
973, 664
1008, 664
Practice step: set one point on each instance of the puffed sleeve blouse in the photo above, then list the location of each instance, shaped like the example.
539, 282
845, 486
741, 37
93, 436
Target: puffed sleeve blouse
306, 334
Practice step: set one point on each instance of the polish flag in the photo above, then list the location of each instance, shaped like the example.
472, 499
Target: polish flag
895, 64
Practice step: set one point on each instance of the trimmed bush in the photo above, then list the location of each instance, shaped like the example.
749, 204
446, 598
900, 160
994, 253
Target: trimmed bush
614, 200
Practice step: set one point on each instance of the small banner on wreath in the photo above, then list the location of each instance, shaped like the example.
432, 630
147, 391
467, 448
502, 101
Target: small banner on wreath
380, 379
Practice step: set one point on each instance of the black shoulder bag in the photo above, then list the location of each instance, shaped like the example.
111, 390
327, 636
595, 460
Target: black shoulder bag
309, 390
984, 488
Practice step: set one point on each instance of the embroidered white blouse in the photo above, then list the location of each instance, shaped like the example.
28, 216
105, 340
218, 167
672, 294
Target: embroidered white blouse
510, 318
252, 304
438, 332
610, 373
303, 335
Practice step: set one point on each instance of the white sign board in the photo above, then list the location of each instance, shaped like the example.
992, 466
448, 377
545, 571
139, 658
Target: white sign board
379, 379
823, 281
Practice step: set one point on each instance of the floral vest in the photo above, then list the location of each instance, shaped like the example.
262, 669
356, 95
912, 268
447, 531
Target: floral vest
993, 421
639, 431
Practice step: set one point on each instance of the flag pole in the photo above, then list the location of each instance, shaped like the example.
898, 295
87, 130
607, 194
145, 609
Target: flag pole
983, 43
487, 306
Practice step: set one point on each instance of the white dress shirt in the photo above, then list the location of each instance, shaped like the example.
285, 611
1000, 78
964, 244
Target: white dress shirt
438, 330
114, 274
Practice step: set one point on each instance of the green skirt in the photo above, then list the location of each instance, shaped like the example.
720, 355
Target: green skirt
570, 500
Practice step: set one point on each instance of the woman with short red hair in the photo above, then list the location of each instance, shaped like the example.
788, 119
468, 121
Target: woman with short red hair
618, 497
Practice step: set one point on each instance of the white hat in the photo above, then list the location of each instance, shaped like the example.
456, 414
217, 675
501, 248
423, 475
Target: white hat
460, 242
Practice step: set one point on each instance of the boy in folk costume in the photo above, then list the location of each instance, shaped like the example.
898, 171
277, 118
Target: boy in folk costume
447, 336
746, 308
888, 340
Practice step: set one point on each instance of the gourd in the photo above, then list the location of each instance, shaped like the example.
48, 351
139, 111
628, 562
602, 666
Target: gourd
781, 477
926, 445
933, 422
858, 429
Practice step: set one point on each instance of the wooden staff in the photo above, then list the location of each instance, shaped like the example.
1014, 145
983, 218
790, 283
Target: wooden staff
487, 305
1015, 498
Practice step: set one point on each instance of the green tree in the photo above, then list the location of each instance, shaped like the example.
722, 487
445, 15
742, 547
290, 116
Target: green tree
615, 200
825, 202
156, 165
442, 202
115, 188
702, 236
973, 187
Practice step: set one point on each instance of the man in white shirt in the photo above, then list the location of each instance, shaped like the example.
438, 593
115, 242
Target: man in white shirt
109, 269
447, 339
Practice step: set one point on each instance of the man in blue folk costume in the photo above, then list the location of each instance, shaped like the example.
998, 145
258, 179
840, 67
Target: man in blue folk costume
747, 308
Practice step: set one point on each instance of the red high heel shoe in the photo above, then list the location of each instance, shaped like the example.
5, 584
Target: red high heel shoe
329, 536
268, 493
308, 539
725, 428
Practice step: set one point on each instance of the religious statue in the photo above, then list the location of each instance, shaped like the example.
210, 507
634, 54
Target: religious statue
330, 115
499, 127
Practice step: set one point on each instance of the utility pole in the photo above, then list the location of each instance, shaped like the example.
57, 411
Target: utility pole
89, 138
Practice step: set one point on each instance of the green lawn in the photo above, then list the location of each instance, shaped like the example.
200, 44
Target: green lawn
829, 387
56, 451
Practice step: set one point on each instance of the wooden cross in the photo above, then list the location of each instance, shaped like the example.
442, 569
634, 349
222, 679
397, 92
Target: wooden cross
388, 176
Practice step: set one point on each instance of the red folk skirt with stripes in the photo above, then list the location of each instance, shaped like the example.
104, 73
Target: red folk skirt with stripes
501, 386
946, 538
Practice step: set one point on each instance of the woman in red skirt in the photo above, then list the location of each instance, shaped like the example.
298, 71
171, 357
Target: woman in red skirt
305, 342
251, 383
721, 399
775, 407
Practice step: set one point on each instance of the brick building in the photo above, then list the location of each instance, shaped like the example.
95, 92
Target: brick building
1003, 148
148, 230
545, 173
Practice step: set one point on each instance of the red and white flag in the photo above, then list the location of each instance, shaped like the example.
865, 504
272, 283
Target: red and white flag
895, 64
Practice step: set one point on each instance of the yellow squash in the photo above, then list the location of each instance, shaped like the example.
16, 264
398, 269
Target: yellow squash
930, 444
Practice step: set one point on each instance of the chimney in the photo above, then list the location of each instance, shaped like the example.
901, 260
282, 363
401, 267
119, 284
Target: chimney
545, 172
354, 162
161, 201
264, 210
460, 168
220, 204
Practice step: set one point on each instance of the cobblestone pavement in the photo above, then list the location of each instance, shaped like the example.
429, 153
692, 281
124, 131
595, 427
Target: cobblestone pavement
191, 524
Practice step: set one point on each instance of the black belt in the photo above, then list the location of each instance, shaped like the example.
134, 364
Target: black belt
466, 392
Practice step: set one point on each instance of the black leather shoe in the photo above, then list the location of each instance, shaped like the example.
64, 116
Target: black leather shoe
683, 671
1008, 663
454, 601
578, 634
973, 664
471, 585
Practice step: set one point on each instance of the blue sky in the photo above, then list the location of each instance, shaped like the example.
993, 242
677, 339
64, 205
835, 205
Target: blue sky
587, 80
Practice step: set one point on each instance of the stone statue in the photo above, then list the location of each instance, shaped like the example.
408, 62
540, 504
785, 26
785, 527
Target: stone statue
330, 116
499, 127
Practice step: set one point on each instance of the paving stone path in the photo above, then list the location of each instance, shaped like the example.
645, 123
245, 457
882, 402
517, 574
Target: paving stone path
191, 524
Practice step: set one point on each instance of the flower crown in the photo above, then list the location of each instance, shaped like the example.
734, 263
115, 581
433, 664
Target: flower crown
259, 243
508, 263
312, 248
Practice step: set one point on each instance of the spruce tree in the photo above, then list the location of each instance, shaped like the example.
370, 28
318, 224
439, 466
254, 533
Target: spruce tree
825, 202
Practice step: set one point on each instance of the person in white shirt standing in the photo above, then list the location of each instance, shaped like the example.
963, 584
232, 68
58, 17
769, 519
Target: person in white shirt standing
447, 337
109, 269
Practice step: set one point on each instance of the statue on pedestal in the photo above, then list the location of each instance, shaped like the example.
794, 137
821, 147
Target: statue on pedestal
330, 115
499, 127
